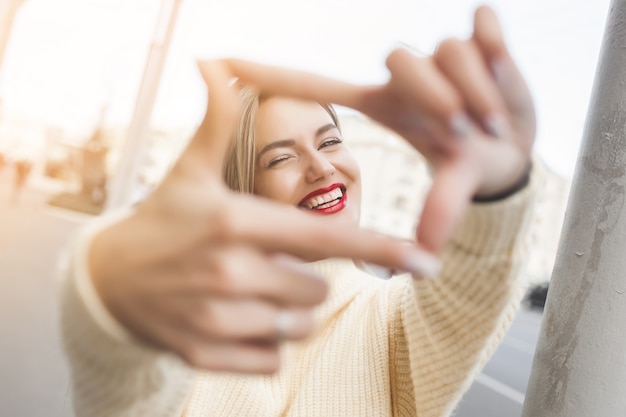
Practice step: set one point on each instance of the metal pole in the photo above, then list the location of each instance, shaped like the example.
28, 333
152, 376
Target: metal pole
125, 177
579, 368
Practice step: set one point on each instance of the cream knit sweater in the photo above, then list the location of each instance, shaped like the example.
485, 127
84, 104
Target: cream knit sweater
394, 347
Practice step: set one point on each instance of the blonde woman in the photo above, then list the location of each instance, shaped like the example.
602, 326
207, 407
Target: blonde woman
405, 346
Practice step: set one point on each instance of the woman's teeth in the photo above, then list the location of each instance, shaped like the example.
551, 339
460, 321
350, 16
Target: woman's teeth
323, 200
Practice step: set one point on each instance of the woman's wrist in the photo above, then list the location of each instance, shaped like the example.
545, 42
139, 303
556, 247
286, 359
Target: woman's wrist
88, 286
516, 187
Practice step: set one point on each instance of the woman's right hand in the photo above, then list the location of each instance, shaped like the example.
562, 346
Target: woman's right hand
193, 270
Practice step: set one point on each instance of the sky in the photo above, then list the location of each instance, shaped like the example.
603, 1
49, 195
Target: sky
67, 59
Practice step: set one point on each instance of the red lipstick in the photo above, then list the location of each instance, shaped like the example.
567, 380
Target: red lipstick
340, 205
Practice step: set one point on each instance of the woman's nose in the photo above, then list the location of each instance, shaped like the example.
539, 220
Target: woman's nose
319, 168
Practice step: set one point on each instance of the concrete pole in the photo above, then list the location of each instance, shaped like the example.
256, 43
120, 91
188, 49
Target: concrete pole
126, 173
579, 368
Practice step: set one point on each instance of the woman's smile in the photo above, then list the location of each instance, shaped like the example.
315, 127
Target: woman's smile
328, 200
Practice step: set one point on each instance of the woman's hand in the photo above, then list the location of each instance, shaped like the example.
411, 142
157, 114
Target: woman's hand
466, 108
193, 269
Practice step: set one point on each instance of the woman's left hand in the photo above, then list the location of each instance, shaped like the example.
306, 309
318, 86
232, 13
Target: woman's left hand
466, 108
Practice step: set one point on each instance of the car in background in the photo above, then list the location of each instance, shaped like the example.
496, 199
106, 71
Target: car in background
536, 296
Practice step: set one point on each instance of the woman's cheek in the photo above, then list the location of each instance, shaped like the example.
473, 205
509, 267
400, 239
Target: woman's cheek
273, 185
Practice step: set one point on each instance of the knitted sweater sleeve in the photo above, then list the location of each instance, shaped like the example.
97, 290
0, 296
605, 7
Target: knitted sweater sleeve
112, 373
444, 330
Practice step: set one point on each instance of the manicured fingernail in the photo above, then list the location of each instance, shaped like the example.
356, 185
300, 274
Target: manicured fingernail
422, 265
499, 71
497, 125
413, 49
460, 125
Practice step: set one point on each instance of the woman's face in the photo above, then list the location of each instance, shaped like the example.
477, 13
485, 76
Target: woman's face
301, 160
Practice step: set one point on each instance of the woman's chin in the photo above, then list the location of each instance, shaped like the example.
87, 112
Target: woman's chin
344, 217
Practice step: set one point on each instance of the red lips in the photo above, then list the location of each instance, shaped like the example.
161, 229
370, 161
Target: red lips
340, 205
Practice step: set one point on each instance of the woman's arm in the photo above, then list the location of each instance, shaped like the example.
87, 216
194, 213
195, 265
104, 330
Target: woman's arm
113, 373
445, 329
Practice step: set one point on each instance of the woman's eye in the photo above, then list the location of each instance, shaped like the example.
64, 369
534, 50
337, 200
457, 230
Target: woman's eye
276, 161
330, 142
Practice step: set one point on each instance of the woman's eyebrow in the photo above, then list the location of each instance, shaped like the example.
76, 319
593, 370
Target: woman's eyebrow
325, 129
283, 143
278, 144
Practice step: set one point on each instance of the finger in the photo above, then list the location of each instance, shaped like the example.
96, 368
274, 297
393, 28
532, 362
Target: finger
488, 33
212, 139
213, 354
238, 271
255, 358
420, 82
294, 83
490, 40
249, 319
308, 236
240, 357
409, 121
464, 65
450, 194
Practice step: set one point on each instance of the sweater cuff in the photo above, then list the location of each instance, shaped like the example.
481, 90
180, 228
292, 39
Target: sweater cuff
488, 228
519, 185
83, 281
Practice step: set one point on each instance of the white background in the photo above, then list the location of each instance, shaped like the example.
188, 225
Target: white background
67, 58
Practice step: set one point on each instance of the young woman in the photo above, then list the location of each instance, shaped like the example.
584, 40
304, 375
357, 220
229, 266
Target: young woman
405, 346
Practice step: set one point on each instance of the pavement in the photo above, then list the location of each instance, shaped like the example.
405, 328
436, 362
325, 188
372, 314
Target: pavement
499, 390
34, 379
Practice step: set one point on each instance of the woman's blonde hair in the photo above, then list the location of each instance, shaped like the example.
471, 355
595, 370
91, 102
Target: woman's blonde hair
241, 161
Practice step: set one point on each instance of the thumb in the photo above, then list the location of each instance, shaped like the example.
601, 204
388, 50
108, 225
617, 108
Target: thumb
446, 203
211, 141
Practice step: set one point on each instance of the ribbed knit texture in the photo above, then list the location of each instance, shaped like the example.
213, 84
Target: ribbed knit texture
382, 347
113, 375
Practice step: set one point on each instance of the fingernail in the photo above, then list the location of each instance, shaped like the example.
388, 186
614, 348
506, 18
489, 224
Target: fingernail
460, 124
497, 125
413, 49
422, 264
499, 71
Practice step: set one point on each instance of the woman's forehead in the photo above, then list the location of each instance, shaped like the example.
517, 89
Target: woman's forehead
284, 118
